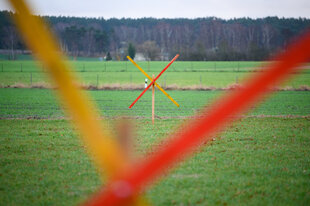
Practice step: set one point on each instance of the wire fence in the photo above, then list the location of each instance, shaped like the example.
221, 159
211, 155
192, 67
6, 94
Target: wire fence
149, 66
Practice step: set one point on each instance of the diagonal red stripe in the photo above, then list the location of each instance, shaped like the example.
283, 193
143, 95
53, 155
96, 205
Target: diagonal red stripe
218, 115
154, 80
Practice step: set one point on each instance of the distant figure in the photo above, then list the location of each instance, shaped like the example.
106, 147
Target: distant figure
145, 85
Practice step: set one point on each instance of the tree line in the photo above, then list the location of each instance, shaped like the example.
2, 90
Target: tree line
199, 39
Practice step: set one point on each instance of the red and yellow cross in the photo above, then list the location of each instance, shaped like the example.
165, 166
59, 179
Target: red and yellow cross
127, 181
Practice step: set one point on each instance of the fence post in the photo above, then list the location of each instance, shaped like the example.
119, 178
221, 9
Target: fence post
165, 83
153, 101
174, 67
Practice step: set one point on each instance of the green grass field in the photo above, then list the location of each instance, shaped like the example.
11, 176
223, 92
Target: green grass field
217, 74
41, 103
258, 161
263, 159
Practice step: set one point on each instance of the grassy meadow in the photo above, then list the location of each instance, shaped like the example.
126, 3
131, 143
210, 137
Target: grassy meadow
41, 103
216, 74
263, 159
257, 161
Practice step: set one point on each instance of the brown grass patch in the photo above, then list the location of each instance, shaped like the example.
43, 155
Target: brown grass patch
41, 85
117, 86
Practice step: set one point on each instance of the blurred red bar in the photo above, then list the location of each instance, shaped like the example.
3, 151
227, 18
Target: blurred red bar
221, 113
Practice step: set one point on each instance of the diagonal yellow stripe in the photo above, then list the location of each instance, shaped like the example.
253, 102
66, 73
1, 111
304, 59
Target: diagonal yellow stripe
105, 150
157, 85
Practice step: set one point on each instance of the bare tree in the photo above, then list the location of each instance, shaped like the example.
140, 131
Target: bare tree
88, 41
150, 50
11, 40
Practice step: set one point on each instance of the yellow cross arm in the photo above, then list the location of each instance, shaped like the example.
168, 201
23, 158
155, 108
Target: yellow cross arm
157, 85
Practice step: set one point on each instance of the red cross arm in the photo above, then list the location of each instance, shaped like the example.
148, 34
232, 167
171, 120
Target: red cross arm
154, 80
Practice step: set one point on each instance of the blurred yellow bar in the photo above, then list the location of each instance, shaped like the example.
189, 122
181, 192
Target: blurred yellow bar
106, 151
157, 85
103, 147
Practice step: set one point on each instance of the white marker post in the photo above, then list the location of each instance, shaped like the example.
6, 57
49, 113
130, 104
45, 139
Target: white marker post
153, 101
145, 85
